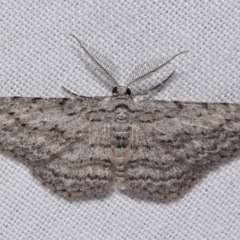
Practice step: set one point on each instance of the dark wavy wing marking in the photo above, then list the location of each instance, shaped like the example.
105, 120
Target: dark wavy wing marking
175, 142
56, 137
152, 168
84, 168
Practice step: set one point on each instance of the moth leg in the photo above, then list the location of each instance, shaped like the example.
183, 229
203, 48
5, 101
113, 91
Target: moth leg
76, 95
151, 89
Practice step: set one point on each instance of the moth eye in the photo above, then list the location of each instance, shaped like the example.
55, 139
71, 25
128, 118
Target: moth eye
128, 91
114, 90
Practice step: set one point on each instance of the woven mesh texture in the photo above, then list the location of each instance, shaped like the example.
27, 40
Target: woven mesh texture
38, 56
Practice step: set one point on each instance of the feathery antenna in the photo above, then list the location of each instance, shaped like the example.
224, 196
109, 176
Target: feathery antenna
150, 67
101, 60
155, 87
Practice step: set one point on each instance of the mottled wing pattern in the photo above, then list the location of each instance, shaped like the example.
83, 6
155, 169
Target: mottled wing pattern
174, 142
84, 167
59, 140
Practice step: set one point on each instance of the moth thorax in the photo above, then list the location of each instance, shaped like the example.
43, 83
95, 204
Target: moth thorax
121, 114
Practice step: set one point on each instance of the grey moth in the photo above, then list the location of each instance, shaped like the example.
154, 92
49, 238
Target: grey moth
80, 145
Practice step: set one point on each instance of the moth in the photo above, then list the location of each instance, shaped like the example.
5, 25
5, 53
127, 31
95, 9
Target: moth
78, 146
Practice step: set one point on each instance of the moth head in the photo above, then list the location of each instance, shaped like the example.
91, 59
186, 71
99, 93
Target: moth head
121, 91
139, 73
